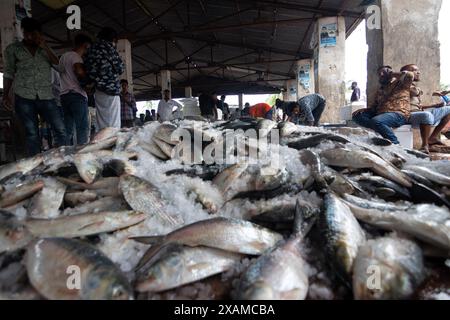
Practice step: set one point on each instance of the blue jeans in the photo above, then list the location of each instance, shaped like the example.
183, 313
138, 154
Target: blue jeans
431, 117
28, 111
382, 123
76, 114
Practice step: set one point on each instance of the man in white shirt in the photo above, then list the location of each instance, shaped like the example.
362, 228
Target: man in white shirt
165, 107
74, 98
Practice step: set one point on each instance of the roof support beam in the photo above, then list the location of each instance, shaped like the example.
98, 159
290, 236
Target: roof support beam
304, 8
222, 28
237, 45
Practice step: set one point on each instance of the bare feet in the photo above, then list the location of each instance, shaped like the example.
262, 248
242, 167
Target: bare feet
425, 149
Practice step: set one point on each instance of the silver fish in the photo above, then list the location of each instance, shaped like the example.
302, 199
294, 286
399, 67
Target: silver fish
342, 235
227, 177
73, 199
154, 150
50, 263
178, 265
142, 196
22, 166
101, 205
221, 233
84, 224
431, 175
164, 133
20, 193
280, 274
105, 134
387, 269
13, 233
371, 204
373, 182
46, 203
287, 129
89, 166
100, 145
364, 160
166, 148
428, 223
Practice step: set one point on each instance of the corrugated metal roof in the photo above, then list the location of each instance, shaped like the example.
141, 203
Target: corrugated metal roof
229, 40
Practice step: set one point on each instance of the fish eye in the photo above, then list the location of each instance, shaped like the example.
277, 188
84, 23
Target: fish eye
119, 293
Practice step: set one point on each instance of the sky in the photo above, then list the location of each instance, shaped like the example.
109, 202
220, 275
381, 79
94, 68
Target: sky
356, 50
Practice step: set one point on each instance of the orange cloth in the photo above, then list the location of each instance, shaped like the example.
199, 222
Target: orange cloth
259, 110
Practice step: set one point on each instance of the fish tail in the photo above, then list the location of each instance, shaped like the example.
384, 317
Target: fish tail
304, 219
148, 240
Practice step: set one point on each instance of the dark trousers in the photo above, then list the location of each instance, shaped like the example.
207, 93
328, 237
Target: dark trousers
28, 112
127, 123
76, 115
317, 113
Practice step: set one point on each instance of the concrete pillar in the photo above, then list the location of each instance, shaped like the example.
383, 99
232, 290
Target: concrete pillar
291, 90
305, 78
188, 92
124, 49
10, 21
165, 81
330, 82
408, 34
241, 100
7, 21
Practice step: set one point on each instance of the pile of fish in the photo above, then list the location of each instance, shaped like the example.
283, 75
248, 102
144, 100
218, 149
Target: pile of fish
320, 213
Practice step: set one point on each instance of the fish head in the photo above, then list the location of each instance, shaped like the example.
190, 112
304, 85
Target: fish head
13, 234
259, 291
105, 284
163, 268
381, 282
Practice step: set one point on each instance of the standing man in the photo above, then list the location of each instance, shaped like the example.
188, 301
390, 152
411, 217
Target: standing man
215, 106
356, 94
104, 67
128, 107
74, 98
311, 107
207, 107
165, 107
246, 111
222, 105
28, 64
392, 107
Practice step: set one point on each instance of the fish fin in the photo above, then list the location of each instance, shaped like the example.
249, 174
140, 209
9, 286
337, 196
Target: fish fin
96, 223
305, 218
148, 255
148, 240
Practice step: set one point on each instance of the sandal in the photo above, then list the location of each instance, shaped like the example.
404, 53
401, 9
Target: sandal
438, 143
439, 149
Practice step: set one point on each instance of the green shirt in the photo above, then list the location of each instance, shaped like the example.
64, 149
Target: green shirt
31, 74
